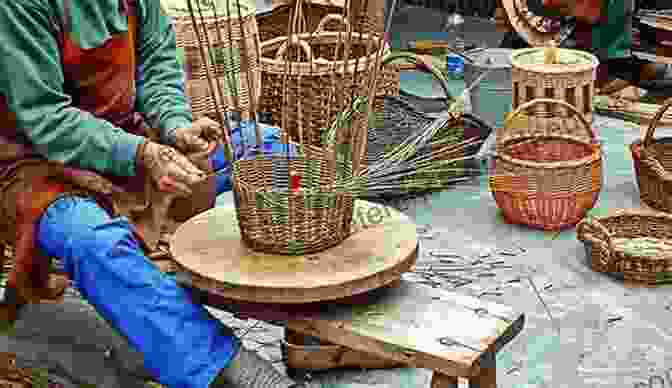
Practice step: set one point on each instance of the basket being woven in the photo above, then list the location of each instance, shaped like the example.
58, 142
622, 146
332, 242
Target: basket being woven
652, 160
317, 93
633, 244
279, 217
236, 68
547, 181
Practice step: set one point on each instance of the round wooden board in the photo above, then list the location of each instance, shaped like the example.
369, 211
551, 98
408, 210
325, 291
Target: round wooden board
383, 246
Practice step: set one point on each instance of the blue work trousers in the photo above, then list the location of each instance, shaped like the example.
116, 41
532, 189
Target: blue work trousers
183, 345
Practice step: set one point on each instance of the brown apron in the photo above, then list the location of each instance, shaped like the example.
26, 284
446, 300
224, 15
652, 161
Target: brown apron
29, 186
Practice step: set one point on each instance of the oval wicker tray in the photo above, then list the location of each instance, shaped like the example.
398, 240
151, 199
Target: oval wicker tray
633, 244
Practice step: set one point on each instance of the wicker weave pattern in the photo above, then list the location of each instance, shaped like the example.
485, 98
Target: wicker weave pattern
547, 182
274, 25
652, 160
605, 238
572, 83
230, 53
311, 87
275, 220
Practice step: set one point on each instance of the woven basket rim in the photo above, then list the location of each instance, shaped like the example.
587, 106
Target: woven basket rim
361, 63
555, 68
594, 156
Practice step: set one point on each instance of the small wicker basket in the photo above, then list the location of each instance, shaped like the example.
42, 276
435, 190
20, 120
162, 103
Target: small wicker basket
547, 181
632, 244
652, 160
571, 81
312, 81
236, 66
277, 216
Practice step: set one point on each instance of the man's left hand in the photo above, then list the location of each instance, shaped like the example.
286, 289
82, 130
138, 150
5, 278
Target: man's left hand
198, 137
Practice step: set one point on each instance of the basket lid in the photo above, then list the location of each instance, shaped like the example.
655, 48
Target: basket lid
180, 8
570, 60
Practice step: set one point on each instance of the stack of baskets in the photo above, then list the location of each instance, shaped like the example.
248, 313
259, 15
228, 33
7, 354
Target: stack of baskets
631, 243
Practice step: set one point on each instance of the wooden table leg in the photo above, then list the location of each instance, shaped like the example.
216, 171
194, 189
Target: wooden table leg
488, 376
440, 380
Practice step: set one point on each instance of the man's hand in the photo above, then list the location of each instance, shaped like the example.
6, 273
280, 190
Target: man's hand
198, 137
171, 171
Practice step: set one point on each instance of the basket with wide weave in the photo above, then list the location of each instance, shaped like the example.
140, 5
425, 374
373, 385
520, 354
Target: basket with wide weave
572, 80
277, 216
652, 160
316, 16
236, 62
547, 181
317, 92
633, 244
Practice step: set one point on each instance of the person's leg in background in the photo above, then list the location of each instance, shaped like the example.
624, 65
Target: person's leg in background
182, 344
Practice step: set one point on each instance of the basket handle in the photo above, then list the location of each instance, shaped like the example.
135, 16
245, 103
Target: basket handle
295, 41
648, 138
537, 101
589, 229
422, 65
332, 17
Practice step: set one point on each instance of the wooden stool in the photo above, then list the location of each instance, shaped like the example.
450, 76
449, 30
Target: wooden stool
349, 296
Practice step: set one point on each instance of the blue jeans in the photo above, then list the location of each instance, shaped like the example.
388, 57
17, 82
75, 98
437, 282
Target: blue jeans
183, 345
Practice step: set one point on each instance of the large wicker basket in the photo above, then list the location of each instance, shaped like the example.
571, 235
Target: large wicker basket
547, 182
571, 81
632, 244
274, 25
275, 218
652, 159
236, 68
311, 85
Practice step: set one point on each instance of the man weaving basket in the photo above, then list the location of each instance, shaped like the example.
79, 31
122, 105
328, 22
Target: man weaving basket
81, 84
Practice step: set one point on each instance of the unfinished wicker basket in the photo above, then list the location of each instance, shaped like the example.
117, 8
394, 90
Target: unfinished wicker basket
633, 244
274, 25
547, 181
572, 80
312, 83
652, 159
279, 217
236, 65
370, 13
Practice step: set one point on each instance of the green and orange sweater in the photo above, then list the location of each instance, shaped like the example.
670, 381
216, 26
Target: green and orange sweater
80, 81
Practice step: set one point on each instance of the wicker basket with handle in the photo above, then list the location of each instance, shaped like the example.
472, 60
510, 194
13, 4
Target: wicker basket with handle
317, 92
315, 17
652, 160
232, 55
630, 243
547, 181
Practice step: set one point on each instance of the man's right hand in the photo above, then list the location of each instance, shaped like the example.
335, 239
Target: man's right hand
171, 171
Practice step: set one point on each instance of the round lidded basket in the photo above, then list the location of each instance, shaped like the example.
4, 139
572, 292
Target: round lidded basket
630, 243
287, 204
236, 46
313, 85
652, 160
548, 181
571, 80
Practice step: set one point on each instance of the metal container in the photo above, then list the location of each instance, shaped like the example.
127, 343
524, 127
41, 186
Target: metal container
491, 98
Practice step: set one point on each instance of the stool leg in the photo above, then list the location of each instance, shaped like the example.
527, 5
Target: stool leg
440, 380
488, 376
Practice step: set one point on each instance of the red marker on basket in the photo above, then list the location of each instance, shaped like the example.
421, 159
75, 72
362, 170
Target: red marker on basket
295, 181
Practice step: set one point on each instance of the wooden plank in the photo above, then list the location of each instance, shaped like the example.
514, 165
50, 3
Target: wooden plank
209, 247
413, 324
